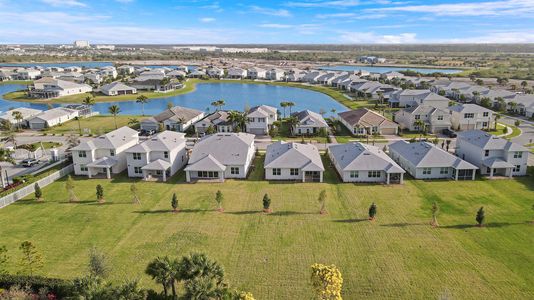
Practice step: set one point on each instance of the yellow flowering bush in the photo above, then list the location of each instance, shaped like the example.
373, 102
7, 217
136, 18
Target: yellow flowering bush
327, 282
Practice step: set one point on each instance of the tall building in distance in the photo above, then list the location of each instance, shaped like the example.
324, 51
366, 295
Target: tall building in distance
81, 44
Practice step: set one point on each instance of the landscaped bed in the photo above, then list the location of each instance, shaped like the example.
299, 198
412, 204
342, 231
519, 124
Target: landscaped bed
398, 256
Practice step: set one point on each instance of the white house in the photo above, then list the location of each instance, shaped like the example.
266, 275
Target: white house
470, 116
491, 154
256, 73
309, 123
125, 70
118, 88
237, 73
293, 161
435, 120
176, 118
52, 117
220, 156
218, 120
53, 88
275, 74
159, 157
357, 162
215, 72
424, 160
108, 71
105, 154
260, 119
28, 74
25, 113
407, 98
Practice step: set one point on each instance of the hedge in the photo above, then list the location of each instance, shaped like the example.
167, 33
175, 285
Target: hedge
60, 287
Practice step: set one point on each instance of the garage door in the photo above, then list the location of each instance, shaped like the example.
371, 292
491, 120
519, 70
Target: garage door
389, 131
36, 125
257, 131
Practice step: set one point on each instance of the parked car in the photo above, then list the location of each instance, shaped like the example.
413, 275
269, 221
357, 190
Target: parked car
144, 132
449, 133
29, 162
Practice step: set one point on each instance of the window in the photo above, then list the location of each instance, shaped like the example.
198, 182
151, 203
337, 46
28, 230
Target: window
251, 120
354, 174
469, 115
518, 154
277, 172
261, 120
373, 174
484, 124
517, 168
166, 154
83, 168
418, 117
444, 171
82, 154
137, 156
427, 171
440, 118
207, 174
234, 170
137, 170
294, 172
486, 153
111, 152
485, 114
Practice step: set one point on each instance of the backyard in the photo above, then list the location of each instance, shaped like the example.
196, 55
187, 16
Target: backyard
397, 256
93, 125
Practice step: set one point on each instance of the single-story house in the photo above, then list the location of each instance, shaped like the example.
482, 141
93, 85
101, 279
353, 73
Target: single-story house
309, 123
364, 121
293, 161
25, 113
118, 88
176, 118
52, 117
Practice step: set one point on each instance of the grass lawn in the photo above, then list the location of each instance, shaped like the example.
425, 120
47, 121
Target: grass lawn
416, 135
46, 145
95, 125
285, 135
397, 256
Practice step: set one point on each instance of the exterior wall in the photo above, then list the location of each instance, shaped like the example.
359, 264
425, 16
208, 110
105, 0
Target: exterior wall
304, 129
417, 172
285, 174
460, 123
132, 163
363, 176
149, 126
82, 161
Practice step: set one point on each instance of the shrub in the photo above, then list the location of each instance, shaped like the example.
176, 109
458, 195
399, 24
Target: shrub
60, 287
266, 203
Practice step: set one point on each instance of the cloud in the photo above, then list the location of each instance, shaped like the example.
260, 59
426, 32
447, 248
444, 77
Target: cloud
497, 37
270, 11
276, 26
328, 4
489, 8
59, 3
373, 38
207, 20
351, 16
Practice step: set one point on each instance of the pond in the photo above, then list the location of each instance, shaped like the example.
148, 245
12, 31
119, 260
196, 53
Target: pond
236, 95
376, 69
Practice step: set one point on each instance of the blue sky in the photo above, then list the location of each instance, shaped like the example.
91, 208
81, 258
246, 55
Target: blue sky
276, 21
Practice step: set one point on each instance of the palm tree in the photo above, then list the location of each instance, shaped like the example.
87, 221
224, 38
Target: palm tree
284, 105
238, 118
18, 117
218, 104
89, 101
290, 105
163, 270
420, 124
497, 117
291, 122
114, 110
198, 265
142, 99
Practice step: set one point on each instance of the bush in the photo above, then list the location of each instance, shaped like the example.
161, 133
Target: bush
60, 287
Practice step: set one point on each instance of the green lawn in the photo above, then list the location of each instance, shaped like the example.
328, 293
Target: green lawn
399, 256
284, 134
96, 125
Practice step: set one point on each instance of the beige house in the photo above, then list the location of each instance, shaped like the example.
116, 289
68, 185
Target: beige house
364, 121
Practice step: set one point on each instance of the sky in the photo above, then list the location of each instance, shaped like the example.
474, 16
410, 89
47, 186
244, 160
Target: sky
266, 22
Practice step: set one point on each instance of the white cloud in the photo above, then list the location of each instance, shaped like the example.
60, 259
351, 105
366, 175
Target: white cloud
276, 26
373, 38
497, 37
351, 16
489, 8
207, 20
270, 11
329, 4
60, 3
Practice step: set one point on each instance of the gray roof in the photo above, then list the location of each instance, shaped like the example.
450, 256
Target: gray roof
163, 141
103, 162
310, 118
218, 118
496, 163
357, 156
293, 155
225, 148
110, 140
263, 110
158, 165
117, 86
178, 114
206, 163
488, 141
24, 111
427, 155
54, 113
469, 108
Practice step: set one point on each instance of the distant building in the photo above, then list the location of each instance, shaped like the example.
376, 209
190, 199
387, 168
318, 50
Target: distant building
105, 47
81, 44
52, 88
118, 88
52, 117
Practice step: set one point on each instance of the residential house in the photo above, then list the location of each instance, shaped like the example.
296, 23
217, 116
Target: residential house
391, 74
28, 74
236, 73
220, 156
118, 88
177, 74
125, 70
470, 116
52, 117
215, 72
364, 121
153, 83
218, 120
260, 119
424, 160
105, 154
6, 75
176, 118
93, 78
449, 88
52, 88
256, 73
372, 89
293, 161
108, 71
159, 157
25, 113
275, 74
491, 154
357, 162
433, 120
407, 98
309, 123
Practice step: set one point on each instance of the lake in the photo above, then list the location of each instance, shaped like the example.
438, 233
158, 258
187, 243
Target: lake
376, 69
236, 95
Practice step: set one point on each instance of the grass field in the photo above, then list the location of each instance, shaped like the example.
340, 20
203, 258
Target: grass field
96, 125
399, 256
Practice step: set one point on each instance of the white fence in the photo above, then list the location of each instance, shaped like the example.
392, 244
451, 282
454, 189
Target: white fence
29, 189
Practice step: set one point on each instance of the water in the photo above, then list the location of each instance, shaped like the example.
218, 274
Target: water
375, 69
236, 95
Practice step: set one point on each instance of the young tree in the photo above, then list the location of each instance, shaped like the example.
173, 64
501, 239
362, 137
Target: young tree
434, 210
31, 258
114, 110
372, 212
326, 281
98, 264
481, 215
142, 99
135, 196
38, 193
3, 260
266, 204
219, 199
174, 203
70, 189
100, 193
322, 202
